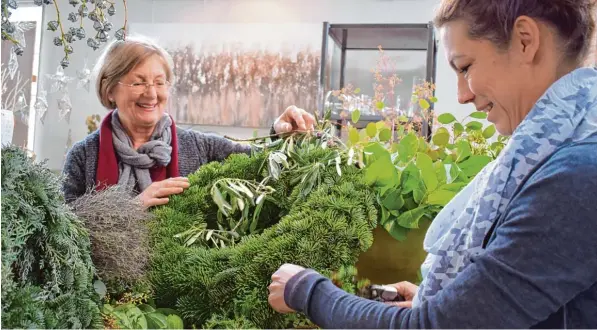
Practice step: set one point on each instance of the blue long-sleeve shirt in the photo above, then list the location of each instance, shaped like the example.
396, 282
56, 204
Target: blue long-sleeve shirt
538, 269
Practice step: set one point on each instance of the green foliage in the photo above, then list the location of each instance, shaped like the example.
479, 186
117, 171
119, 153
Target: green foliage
130, 306
318, 204
142, 316
219, 322
415, 178
46, 264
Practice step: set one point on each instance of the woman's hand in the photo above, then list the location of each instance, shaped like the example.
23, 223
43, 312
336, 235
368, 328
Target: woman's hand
406, 290
157, 193
278, 285
294, 119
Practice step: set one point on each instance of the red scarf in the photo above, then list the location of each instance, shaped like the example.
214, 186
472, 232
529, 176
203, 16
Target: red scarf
107, 164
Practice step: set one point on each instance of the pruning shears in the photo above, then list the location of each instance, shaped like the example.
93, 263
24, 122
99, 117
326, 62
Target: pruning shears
385, 293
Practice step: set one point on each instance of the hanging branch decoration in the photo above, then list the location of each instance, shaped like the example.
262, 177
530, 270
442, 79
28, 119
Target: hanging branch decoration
21, 108
84, 77
41, 104
68, 35
20, 29
19, 35
59, 80
64, 107
13, 65
60, 83
69, 141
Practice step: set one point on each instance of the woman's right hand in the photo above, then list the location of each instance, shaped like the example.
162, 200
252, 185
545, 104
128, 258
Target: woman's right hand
157, 193
406, 290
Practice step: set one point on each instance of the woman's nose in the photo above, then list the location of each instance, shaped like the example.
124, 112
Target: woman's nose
464, 92
150, 91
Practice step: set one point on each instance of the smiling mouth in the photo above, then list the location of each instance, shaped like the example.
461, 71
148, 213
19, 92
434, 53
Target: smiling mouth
146, 106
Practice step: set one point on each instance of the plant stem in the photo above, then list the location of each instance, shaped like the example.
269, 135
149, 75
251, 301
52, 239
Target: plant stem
252, 139
61, 28
7, 36
84, 4
126, 15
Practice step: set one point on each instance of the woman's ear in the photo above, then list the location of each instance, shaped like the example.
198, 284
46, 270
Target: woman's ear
526, 38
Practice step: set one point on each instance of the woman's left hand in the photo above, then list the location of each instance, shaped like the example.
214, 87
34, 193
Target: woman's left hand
278, 285
294, 119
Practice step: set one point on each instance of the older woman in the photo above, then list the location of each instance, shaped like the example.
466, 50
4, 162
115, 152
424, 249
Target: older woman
516, 249
138, 146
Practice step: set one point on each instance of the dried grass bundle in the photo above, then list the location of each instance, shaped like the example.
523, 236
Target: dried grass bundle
117, 224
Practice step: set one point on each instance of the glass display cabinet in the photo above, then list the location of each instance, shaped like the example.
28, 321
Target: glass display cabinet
350, 53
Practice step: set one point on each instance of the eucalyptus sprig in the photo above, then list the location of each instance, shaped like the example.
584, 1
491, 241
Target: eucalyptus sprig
68, 35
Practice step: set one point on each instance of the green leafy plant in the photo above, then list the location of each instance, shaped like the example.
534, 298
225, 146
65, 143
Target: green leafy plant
142, 316
47, 270
127, 306
415, 177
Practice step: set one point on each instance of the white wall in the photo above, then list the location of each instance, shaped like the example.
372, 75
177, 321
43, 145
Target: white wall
50, 139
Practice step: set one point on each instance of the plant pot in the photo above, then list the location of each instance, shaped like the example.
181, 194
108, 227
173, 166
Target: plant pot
390, 261
8, 125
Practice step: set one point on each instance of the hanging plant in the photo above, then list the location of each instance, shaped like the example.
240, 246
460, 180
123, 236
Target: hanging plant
96, 11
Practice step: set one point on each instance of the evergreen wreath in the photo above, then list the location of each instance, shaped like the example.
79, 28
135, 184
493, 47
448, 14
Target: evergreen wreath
215, 270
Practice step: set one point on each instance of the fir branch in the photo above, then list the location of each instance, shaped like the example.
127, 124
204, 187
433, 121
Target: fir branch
46, 265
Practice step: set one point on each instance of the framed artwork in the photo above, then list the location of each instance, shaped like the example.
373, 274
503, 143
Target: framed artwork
241, 75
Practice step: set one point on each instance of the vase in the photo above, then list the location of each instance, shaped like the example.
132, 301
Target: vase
389, 260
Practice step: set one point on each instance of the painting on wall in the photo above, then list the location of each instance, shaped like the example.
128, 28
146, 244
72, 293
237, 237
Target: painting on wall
241, 75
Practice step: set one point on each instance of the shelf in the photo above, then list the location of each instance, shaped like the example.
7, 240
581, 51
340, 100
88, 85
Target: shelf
390, 36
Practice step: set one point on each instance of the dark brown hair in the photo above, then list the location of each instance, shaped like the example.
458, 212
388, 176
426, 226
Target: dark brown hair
493, 20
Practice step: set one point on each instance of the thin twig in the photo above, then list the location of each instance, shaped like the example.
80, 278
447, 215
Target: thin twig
7, 36
125, 18
255, 138
84, 5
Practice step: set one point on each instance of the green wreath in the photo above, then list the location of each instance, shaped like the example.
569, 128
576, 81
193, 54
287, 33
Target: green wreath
317, 213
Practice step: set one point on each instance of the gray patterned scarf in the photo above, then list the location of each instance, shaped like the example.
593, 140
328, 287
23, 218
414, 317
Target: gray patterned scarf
134, 165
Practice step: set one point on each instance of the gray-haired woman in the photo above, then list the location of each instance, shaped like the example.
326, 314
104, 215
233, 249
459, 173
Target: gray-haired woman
516, 248
138, 146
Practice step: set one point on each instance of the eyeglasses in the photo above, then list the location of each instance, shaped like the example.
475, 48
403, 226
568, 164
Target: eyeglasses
142, 87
